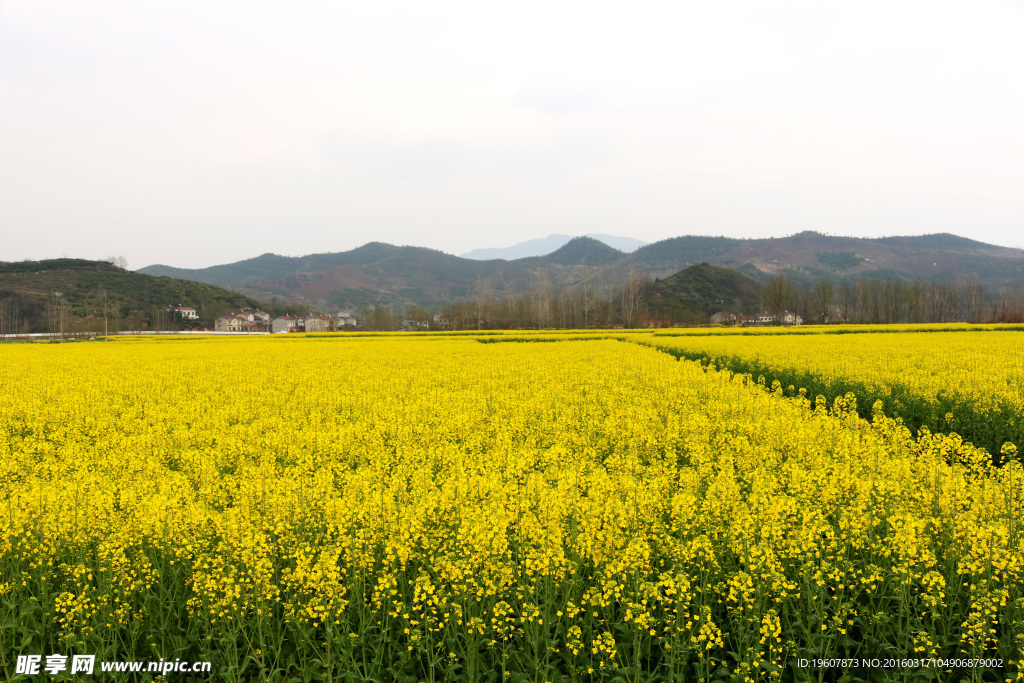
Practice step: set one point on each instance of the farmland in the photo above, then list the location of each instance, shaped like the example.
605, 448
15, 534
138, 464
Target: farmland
956, 378
430, 507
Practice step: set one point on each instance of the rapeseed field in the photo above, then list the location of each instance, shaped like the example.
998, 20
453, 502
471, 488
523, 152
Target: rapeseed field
969, 381
434, 508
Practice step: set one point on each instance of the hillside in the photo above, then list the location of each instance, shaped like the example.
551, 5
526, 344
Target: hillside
702, 289
34, 293
672, 255
382, 274
812, 256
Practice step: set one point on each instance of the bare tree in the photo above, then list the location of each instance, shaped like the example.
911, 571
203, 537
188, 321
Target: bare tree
103, 303
540, 298
892, 300
823, 296
916, 295
483, 298
630, 296
590, 285
848, 300
5, 317
57, 315
973, 301
1011, 305
869, 293
162, 319
777, 295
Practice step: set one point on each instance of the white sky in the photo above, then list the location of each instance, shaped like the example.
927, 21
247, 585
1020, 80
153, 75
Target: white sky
197, 133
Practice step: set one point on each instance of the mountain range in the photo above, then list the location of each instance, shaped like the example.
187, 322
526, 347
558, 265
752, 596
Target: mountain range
387, 275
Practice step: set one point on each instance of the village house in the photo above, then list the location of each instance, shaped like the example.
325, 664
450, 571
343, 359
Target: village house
228, 323
724, 318
285, 323
237, 322
415, 325
260, 321
318, 322
187, 312
346, 319
791, 318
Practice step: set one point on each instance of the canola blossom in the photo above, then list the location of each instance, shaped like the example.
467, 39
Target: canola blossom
969, 382
437, 508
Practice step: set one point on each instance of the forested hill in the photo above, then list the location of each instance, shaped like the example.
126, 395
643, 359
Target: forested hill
702, 289
34, 295
814, 256
383, 274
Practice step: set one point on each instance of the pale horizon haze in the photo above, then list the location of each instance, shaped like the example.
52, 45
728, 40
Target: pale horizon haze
198, 133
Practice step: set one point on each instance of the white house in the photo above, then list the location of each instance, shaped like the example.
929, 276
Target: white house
187, 312
791, 318
412, 324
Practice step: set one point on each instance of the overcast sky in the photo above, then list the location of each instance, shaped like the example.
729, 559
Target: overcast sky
197, 133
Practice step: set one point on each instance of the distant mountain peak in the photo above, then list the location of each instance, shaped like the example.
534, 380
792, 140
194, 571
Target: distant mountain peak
548, 245
583, 250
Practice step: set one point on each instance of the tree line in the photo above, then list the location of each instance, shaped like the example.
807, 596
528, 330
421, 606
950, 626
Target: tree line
598, 299
892, 300
106, 312
591, 302
627, 304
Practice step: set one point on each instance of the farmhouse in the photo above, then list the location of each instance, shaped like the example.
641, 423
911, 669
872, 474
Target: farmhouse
229, 323
187, 312
318, 322
724, 318
791, 318
285, 323
235, 322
